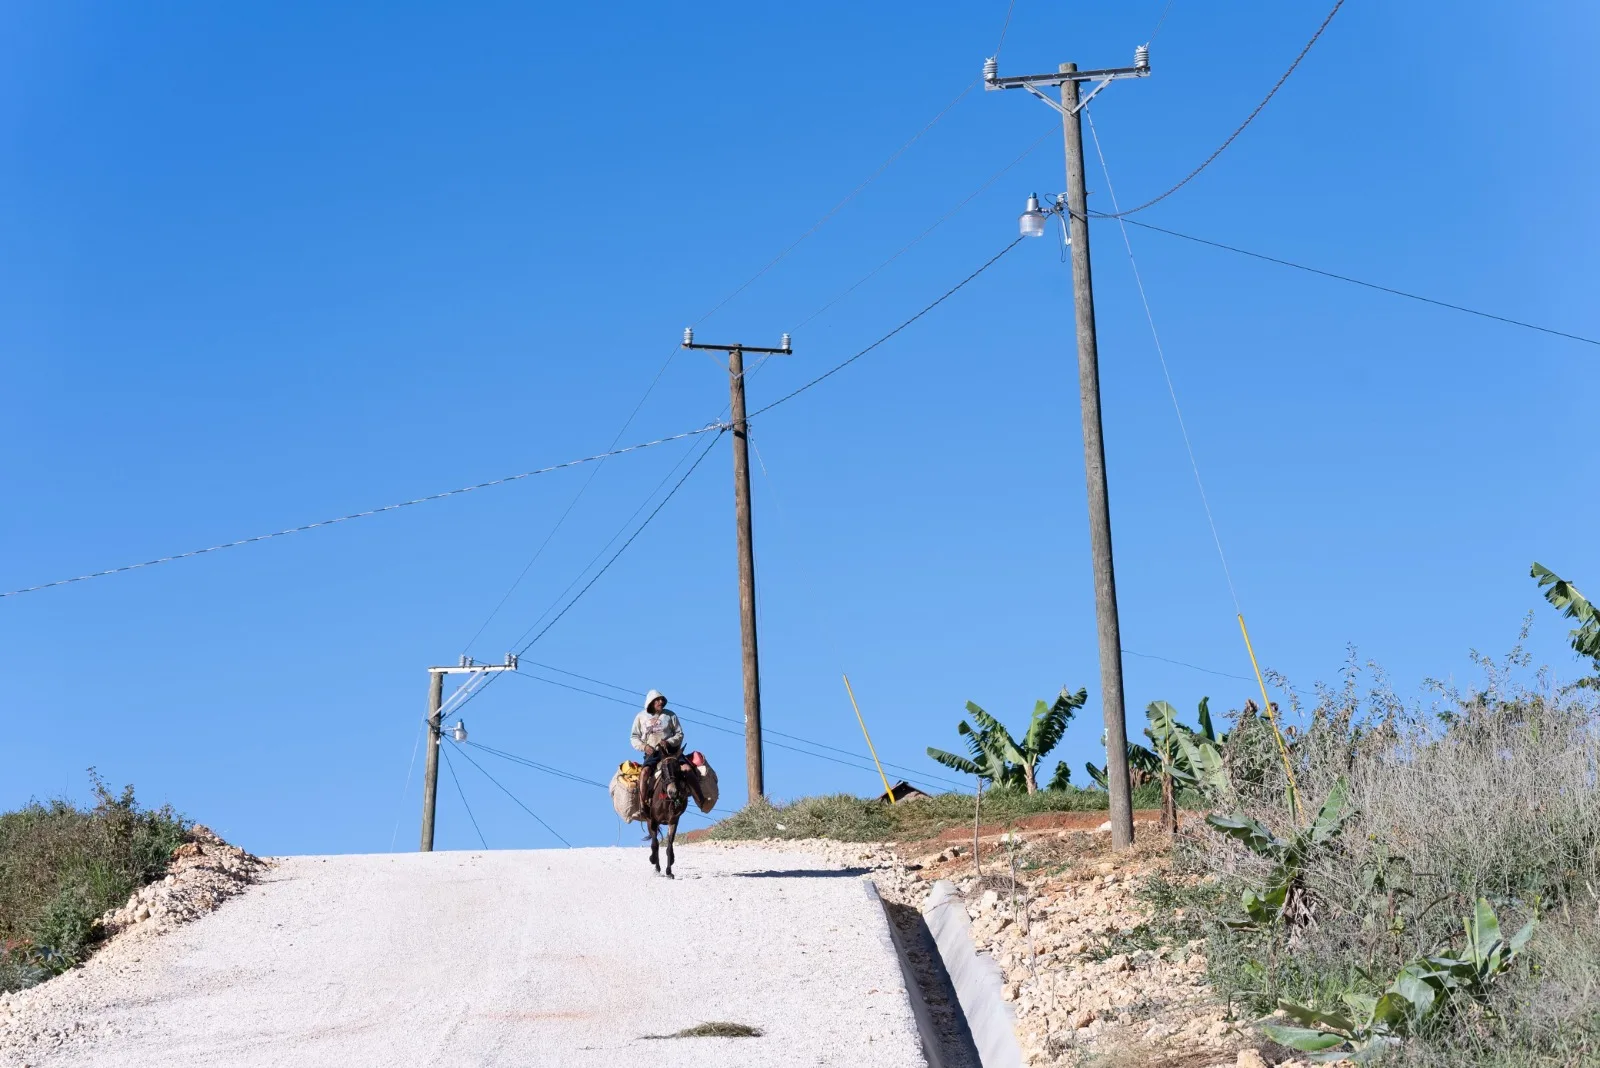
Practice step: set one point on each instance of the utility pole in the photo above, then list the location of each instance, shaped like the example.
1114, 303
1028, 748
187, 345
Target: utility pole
1068, 77
430, 775
754, 780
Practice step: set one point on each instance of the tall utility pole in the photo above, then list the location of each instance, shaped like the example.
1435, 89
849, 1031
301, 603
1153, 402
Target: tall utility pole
430, 775
1068, 76
747, 563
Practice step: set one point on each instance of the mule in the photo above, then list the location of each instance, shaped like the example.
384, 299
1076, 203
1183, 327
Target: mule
666, 799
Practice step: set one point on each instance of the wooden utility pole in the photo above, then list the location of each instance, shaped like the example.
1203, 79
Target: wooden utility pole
1094, 469
754, 777
1094, 451
430, 775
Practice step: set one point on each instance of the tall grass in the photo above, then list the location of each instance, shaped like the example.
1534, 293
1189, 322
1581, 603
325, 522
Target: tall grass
61, 867
1486, 793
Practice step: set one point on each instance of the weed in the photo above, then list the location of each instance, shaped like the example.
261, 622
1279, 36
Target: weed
716, 1029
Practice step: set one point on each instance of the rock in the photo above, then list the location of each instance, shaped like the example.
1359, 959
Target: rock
1081, 1019
1250, 1058
989, 900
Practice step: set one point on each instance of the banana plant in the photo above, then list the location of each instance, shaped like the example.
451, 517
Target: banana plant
999, 758
1566, 599
1283, 896
1422, 991
1179, 757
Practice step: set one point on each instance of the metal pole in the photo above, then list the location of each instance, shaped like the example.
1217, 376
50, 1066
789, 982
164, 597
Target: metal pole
430, 777
1094, 464
747, 578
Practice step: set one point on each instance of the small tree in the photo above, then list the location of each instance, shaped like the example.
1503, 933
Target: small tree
999, 758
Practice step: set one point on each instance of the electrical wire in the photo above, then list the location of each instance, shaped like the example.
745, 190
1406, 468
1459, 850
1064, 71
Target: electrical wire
406, 790
451, 768
846, 363
1162, 21
1166, 373
1355, 281
572, 504
369, 512
765, 731
1010, 7
1191, 667
468, 758
596, 578
908, 246
1248, 118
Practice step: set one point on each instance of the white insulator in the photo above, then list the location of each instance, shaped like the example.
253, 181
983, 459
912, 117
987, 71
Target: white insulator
688, 335
784, 344
1141, 57
991, 69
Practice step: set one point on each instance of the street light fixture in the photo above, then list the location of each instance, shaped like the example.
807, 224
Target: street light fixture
1032, 222
459, 732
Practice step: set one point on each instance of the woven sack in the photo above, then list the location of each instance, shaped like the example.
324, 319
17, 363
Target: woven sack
625, 795
708, 787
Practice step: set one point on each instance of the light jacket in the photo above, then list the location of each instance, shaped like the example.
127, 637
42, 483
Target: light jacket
665, 727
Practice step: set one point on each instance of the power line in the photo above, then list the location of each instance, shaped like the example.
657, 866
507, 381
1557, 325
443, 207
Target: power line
368, 512
1166, 373
1010, 8
624, 547
465, 756
576, 497
1162, 21
1191, 667
1356, 281
451, 768
1248, 118
921, 777
596, 578
841, 366
537, 766
909, 245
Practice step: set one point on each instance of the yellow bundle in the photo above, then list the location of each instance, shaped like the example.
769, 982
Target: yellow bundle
629, 770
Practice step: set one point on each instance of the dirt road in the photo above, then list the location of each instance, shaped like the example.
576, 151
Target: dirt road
540, 957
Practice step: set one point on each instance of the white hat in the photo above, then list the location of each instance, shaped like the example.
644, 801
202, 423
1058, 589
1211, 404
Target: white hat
650, 698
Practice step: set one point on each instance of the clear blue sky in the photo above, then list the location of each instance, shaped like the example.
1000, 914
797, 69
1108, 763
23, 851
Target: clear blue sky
270, 265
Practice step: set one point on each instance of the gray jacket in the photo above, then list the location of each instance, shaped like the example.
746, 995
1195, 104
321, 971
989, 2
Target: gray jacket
663, 729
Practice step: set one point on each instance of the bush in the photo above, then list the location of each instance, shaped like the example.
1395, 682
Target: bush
1490, 793
62, 867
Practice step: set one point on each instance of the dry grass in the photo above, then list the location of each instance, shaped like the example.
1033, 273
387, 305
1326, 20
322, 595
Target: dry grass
1490, 793
716, 1029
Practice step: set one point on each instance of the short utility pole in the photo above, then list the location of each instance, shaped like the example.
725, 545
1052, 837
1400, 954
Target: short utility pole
747, 564
430, 776
1068, 77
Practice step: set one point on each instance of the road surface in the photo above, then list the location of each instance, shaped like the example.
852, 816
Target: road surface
537, 957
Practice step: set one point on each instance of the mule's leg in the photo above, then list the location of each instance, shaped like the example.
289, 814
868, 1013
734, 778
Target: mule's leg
655, 846
672, 833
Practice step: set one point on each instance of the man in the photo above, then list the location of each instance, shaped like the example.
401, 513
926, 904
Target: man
657, 734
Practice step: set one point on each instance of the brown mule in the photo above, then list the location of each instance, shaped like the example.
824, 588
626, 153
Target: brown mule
666, 798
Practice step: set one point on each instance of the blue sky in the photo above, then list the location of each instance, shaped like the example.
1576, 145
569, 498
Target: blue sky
270, 266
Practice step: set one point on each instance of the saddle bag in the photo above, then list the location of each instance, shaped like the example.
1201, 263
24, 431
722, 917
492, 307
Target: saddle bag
625, 792
708, 781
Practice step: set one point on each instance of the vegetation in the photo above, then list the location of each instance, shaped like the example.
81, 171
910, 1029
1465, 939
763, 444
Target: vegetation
61, 867
846, 818
999, 759
1180, 758
1481, 805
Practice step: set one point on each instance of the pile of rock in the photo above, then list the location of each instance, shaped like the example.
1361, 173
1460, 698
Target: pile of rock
205, 871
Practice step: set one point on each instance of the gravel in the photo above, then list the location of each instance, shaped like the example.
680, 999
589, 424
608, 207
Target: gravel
538, 957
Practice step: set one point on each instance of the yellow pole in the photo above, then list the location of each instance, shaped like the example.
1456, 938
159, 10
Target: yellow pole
1272, 718
887, 792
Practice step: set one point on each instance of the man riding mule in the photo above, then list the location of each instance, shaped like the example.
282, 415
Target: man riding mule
664, 789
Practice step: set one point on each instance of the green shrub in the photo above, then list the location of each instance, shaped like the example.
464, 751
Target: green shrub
61, 867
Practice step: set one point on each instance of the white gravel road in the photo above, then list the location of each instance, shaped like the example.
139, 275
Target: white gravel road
539, 957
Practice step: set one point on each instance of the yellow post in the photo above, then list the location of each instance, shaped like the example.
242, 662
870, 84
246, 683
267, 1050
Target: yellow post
1272, 718
887, 792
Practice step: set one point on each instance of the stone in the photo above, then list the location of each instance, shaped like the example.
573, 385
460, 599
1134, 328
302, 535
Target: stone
1250, 1058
